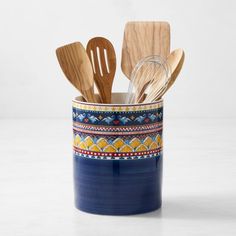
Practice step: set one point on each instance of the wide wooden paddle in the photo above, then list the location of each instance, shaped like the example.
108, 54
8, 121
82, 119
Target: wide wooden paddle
103, 59
142, 39
77, 68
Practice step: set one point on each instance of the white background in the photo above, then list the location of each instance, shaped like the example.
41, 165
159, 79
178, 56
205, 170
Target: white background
32, 84
36, 185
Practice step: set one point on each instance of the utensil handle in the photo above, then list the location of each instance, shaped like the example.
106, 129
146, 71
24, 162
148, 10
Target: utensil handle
90, 96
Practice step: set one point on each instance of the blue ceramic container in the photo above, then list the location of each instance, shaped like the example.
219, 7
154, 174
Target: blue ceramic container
117, 157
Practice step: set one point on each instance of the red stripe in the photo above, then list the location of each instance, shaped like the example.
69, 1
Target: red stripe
123, 133
117, 154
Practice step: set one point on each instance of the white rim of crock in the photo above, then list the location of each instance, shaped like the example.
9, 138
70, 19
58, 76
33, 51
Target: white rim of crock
116, 104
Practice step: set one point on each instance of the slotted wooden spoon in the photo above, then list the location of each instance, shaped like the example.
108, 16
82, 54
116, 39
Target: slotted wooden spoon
142, 39
77, 68
103, 58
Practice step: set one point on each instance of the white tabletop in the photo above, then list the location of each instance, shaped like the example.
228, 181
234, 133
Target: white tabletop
36, 184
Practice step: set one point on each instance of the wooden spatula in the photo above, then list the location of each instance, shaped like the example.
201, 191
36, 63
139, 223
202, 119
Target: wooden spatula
77, 68
103, 58
142, 39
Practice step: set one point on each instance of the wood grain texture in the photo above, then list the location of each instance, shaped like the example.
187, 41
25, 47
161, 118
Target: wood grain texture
77, 68
176, 61
103, 59
142, 39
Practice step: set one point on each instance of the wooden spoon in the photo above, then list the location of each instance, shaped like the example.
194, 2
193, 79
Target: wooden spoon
175, 61
103, 58
77, 68
142, 39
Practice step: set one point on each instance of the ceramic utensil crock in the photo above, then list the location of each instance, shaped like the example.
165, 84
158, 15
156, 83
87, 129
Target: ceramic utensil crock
117, 156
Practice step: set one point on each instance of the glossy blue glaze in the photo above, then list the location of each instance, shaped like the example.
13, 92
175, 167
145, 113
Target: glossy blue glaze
118, 187
117, 157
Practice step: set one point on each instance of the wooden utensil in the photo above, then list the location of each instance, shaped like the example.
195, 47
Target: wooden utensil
103, 58
142, 39
175, 61
77, 68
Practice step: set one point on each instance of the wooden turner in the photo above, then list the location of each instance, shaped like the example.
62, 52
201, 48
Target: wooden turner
103, 58
77, 68
142, 39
